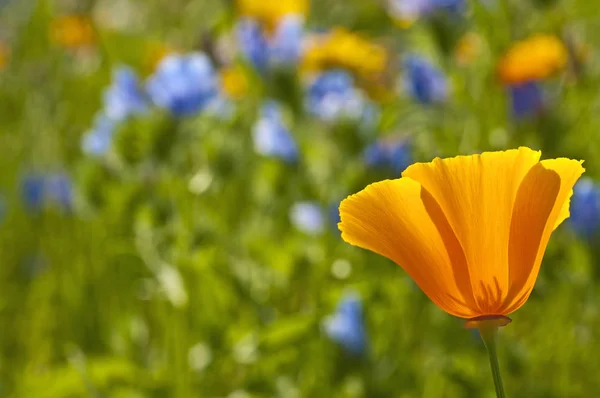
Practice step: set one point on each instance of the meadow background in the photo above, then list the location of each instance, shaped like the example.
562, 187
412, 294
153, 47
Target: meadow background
169, 230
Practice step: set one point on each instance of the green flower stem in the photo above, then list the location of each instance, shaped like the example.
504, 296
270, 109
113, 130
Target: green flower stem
488, 335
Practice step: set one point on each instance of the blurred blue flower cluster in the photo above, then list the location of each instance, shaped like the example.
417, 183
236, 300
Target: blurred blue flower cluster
390, 154
424, 82
184, 85
282, 49
98, 140
333, 96
308, 217
526, 99
271, 136
39, 190
411, 10
346, 325
585, 208
122, 99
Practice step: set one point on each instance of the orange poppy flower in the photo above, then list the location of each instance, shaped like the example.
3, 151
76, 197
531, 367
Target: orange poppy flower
537, 57
471, 230
72, 31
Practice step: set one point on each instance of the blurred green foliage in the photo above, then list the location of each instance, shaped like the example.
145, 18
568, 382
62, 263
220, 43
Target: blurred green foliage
179, 274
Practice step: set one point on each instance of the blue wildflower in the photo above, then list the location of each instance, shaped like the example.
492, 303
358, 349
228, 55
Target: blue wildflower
124, 96
451, 6
59, 190
183, 84
423, 81
411, 10
286, 44
282, 49
334, 214
98, 140
271, 137
32, 191
526, 99
346, 326
38, 189
253, 43
392, 154
307, 217
332, 96
585, 208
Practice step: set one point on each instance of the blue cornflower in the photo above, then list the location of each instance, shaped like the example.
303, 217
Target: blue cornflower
585, 208
392, 154
32, 191
526, 99
282, 49
124, 97
423, 81
253, 43
59, 189
411, 10
183, 84
271, 137
286, 44
307, 217
98, 140
332, 96
451, 6
346, 326
38, 189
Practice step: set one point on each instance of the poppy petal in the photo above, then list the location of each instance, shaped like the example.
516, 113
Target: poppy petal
564, 211
400, 220
539, 207
476, 194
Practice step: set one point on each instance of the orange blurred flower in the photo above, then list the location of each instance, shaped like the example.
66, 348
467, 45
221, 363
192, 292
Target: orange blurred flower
234, 82
4, 55
72, 31
345, 49
471, 231
532, 59
270, 12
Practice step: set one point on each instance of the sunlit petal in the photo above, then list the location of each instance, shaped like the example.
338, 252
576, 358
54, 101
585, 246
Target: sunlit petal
476, 194
400, 220
539, 207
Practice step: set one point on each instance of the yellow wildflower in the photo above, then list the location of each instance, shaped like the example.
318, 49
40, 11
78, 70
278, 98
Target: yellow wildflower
72, 31
234, 82
270, 12
532, 59
468, 48
471, 231
345, 49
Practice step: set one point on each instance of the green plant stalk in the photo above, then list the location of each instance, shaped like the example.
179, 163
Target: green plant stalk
488, 335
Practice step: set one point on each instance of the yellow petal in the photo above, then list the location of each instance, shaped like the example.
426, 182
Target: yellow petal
400, 220
539, 206
476, 194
